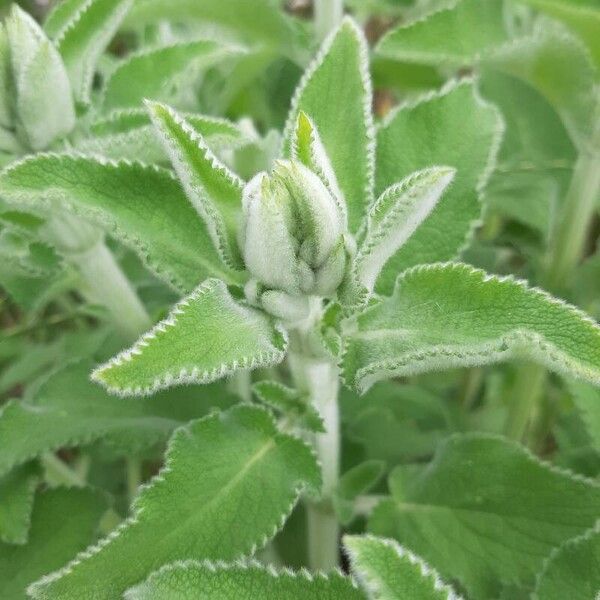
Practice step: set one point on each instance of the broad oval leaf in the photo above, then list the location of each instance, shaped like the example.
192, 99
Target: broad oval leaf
454, 128
245, 581
17, 490
451, 315
390, 572
207, 336
140, 205
485, 511
228, 467
339, 77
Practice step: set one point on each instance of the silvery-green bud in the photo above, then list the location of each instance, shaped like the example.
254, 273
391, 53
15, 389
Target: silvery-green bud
292, 239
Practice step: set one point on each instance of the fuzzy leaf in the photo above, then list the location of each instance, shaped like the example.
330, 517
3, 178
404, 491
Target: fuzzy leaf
339, 77
61, 16
225, 468
454, 128
587, 401
395, 216
451, 315
572, 570
357, 480
192, 579
85, 37
69, 410
142, 206
208, 335
390, 572
64, 522
166, 74
485, 511
130, 134
16, 500
214, 191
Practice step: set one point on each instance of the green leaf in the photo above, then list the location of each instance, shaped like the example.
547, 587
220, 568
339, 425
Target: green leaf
357, 480
61, 16
587, 401
16, 500
225, 468
214, 191
458, 34
242, 581
166, 74
207, 336
485, 511
130, 134
291, 403
390, 572
572, 570
451, 315
339, 77
69, 410
64, 522
142, 206
454, 128
83, 39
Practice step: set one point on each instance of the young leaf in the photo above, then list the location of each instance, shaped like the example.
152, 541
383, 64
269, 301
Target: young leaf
454, 128
390, 572
16, 500
357, 480
208, 335
61, 16
84, 38
572, 570
339, 77
129, 201
214, 191
395, 216
64, 522
232, 467
69, 410
449, 315
242, 581
485, 511
166, 74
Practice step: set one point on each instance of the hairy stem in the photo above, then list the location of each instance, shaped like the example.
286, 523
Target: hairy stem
328, 14
58, 472
133, 468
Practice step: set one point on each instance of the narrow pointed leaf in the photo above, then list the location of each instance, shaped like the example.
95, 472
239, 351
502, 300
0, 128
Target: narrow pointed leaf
390, 572
451, 315
243, 582
339, 77
85, 37
166, 74
142, 206
395, 216
454, 128
17, 489
61, 16
69, 410
233, 467
207, 336
485, 511
572, 570
64, 522
214, 191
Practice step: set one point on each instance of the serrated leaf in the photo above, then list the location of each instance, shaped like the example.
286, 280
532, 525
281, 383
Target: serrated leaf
130, 134
16, 500
130, 201
64, 521
213, 190
69, 410
167, 74
61, 16
454, 128
390, 572
572, 570
339, 77
587, 401
395, 216
357, 480
241, 581
233, 466
84, 38
207, 336
485, 511
449, 315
